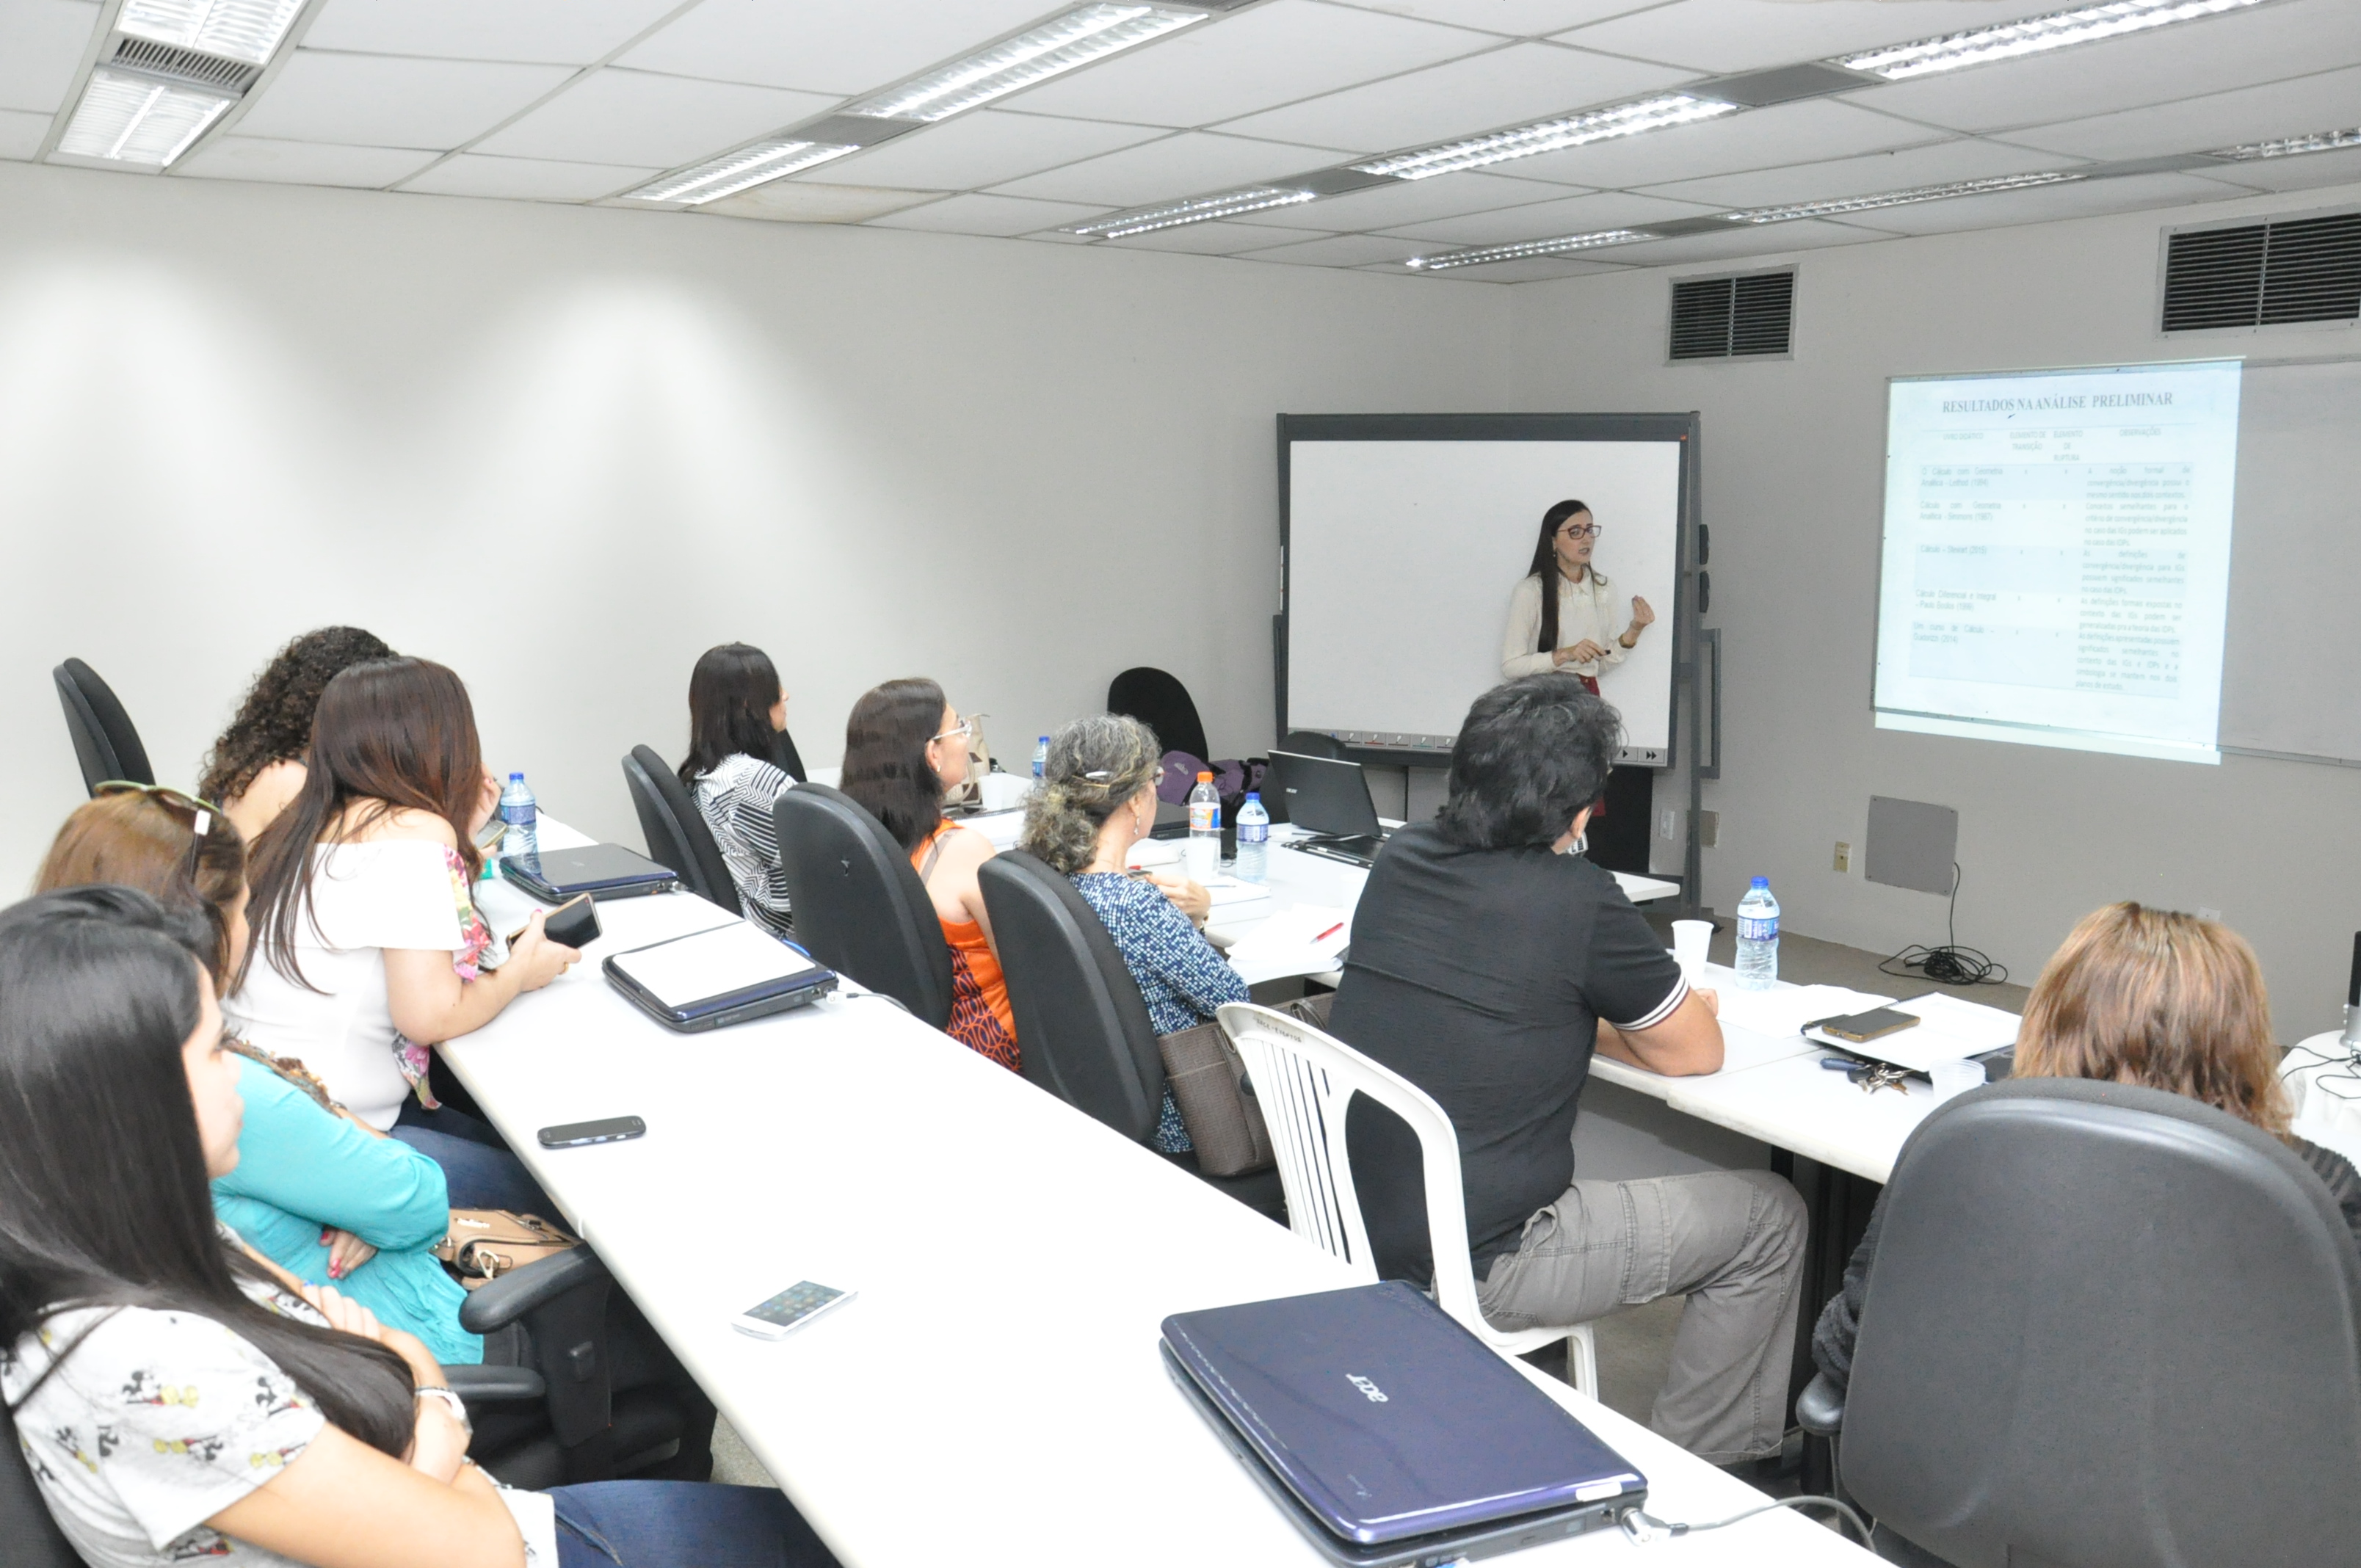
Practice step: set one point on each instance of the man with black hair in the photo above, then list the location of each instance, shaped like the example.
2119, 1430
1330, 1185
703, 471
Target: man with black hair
1489, 960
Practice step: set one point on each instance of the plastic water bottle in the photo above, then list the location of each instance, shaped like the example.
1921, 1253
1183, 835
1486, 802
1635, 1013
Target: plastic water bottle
1758, 937
1254, 840
523, 819
1204, 830
1040, 759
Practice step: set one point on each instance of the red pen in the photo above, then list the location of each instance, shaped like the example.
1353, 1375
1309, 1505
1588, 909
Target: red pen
1329, 932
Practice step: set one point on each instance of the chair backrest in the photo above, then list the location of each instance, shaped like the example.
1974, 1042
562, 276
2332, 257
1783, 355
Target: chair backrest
1304, 1080
104, 743
1082, 1026
676, 830
860, 908
1159, 701
25, 1524
2112, 1325
1313, 743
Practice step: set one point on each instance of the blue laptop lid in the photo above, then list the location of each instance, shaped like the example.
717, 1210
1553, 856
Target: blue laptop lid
1387, 1419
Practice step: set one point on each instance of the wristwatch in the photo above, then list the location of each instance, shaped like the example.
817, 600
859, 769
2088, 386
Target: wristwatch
450, 1401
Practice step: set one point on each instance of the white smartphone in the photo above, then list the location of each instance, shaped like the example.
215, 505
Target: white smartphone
791, 1309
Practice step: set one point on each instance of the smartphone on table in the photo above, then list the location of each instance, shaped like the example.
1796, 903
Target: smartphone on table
791, 1309
576, 1134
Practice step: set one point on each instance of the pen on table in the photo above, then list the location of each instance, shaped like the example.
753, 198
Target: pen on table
1329, 932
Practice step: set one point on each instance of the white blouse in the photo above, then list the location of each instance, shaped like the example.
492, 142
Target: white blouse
1583, 609
365, 897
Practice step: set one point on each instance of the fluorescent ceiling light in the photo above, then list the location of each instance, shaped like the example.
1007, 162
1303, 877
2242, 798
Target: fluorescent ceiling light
1897, 198
1199, 210
1530, 247
2288, 147
735, 172
1082, 35
1549, 136
2035, 35
138, 119
236, 30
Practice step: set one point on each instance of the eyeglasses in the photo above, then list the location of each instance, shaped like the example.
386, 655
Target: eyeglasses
1581, 531
964, 728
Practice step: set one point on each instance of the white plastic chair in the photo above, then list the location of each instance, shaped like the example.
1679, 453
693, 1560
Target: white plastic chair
1303, 1080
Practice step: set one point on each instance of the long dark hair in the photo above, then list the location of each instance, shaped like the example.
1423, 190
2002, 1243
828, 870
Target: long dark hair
885, 757
103, 1200
274, 722
1545, 567
731, 694
144, 839
398, 732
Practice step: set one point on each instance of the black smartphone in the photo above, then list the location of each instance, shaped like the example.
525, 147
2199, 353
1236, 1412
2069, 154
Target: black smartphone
573, 924
574, 1135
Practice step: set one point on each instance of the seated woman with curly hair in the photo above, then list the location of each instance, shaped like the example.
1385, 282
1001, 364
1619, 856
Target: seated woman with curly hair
257, 766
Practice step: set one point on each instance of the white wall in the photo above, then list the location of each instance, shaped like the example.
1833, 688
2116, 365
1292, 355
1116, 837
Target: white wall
1792, 458
564, 450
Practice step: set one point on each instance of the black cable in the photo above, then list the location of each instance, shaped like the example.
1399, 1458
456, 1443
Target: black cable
1648, 1521
1949, 964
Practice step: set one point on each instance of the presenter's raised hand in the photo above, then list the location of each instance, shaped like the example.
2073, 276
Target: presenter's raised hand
1641, 616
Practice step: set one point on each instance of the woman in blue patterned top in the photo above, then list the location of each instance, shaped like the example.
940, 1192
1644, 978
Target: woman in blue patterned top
1097, 799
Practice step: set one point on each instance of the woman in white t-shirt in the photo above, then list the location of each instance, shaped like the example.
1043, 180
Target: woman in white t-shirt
175, 1401
366, 936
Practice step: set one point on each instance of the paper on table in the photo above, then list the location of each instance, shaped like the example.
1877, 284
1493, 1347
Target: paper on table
1979, 1027
711, 963
1228, 891
1785, 1010
1325, 928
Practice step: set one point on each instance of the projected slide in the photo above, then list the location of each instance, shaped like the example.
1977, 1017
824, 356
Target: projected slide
2057, 557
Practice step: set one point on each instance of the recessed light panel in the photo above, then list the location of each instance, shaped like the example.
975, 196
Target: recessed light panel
138, 119
1198, 210
735, 172
235, 29
1548, 135
2289, 146
1081, 36
1896, 198
2034, 35
1528, 249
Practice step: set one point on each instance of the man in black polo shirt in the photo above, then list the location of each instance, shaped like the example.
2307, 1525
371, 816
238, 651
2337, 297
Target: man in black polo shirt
1488, 962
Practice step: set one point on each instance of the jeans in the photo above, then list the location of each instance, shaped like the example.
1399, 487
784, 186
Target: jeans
682, 1524
1733, 1242
480, 1170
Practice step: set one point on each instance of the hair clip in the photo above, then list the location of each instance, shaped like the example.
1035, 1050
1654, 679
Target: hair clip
204, 821
1101, 774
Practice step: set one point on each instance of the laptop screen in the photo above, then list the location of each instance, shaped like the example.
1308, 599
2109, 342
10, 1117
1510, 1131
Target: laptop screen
1324, 795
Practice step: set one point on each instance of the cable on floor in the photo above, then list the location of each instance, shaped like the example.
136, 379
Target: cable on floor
1641, 1525
1949, 964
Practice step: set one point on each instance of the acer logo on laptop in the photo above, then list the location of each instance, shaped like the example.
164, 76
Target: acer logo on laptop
1369, 1391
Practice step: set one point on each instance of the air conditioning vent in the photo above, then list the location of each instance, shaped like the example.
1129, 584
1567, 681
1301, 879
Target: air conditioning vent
152, 58
2298, 269
1745, 316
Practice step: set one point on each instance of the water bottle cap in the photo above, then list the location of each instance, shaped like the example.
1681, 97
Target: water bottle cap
1205, 778
1044, 740
1762, 882
516, 778
1254, 795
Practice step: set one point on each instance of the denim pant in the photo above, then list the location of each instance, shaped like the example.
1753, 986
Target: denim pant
480, 1170
682, 1524
1733, 1242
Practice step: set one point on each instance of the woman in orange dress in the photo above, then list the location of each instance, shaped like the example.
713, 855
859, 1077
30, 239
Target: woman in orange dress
903, 747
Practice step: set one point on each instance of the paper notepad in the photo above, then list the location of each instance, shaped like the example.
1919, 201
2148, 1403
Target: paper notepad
728, 958
1786, 1010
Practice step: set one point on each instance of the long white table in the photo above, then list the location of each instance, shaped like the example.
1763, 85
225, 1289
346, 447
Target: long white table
995, 1393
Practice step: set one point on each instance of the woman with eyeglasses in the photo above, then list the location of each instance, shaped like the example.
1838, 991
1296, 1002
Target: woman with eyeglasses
1562, 615
905, 747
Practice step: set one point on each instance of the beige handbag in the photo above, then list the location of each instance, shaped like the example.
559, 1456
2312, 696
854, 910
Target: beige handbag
1208, 1081
970, 790
484, 1243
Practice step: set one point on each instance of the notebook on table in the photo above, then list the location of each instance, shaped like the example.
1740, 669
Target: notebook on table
711, 979
1388, 1433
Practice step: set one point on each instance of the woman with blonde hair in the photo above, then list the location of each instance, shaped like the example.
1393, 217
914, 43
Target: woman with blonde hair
2148, 997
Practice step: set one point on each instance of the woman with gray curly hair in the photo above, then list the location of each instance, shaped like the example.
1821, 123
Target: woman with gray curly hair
1097, 799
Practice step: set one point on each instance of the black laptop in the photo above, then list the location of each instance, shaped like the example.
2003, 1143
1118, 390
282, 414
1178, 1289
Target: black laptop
1330, 800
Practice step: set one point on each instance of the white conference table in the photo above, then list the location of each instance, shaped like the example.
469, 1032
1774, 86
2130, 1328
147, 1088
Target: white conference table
995, 1393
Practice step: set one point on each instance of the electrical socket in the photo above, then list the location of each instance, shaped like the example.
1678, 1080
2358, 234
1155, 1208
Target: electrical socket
1664, 826
1844, 856
1710, 828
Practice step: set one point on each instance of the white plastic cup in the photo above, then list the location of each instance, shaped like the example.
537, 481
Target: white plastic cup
1690, 940
1955, 1077
1001, 792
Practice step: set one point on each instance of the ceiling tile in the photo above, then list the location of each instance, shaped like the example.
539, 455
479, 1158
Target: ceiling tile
986, 149
302, 162
41, 44
1754, 139
526, 178
1339, 250
989, 216
365, 100
2238, 49
1278, 51
1745, 35
21, 133
794, 201
554, 32
1401, 204
840, 49
2048, 203
1547, 220
636, 118
1162, 170
1208, 239
1867, 175
1520, 18
1523, 82
2307, 171
1773, 239
2320, 103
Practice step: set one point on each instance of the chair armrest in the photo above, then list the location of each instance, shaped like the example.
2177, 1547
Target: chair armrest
497, 1385
1819, 1408
514, 1295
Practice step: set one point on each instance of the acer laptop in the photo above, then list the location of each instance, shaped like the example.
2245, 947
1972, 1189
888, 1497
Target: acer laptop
1388, 1433
1329, 799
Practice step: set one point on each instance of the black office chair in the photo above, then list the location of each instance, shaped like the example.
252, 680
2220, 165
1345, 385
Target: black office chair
1159, 701
2108, 1326
33, 1536
1081, 1026
1313, 743
676, 830
860, 907
104, 743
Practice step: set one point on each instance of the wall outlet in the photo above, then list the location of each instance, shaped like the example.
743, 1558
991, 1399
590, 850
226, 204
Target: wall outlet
2205, 914
1710, 828
1664, 826
1844, 856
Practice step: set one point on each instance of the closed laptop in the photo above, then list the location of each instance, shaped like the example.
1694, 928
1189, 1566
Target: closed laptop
602, 870
712, 979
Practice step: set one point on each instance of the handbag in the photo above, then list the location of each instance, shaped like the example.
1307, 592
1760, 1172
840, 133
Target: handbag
484, 1243
1217, 1105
